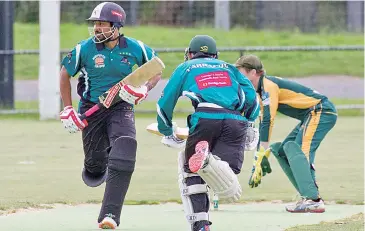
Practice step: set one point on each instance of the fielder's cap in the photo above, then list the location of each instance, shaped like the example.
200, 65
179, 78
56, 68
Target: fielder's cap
250, 61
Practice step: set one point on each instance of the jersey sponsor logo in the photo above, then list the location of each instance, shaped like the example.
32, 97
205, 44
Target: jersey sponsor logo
205, 65
213, 79
125, 60
99, 60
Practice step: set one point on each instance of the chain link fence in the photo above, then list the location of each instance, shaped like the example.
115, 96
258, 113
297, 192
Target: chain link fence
306, 16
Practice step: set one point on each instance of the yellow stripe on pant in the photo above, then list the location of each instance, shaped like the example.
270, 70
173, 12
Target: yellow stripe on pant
310, 130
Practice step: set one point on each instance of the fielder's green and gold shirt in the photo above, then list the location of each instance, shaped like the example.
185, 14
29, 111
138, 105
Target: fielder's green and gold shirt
284, 96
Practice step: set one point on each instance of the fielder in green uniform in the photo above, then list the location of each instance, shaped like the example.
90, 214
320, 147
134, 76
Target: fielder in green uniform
296, 154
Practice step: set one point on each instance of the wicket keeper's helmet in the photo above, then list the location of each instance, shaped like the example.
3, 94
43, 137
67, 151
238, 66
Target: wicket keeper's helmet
204, 44
109, 12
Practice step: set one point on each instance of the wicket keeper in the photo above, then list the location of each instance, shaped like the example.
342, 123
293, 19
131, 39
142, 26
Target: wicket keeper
214, 149
296, 154
109, 140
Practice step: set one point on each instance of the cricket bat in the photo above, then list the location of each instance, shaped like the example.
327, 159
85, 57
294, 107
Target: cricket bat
136, 79
180, 132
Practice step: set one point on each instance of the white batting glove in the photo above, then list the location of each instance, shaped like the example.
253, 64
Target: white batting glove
173, 142
70, 120
133, 95
252, 137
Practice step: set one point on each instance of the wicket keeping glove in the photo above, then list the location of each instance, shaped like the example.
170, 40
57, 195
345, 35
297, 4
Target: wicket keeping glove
260, 167
70, 120
265, 164
133, 95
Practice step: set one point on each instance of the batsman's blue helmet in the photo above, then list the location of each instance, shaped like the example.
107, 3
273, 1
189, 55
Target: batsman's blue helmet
109, 12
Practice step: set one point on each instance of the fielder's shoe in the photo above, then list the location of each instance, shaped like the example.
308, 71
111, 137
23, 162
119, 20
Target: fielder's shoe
307, 206
108, 223
197, 160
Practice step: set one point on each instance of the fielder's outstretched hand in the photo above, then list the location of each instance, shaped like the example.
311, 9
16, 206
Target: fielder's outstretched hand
173, 142
70, 120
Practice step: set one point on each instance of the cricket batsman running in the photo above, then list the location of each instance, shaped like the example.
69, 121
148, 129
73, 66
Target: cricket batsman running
214, 149
109, 140
317, 116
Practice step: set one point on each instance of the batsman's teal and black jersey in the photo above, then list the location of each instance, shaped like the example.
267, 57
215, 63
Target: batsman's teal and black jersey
208, 80
101, 67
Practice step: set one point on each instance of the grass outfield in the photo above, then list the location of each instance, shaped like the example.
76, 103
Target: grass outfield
286, 64
41, 164
184, 105
353, 223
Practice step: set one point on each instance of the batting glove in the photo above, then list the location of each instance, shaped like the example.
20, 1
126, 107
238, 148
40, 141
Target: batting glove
133, 95
70, 120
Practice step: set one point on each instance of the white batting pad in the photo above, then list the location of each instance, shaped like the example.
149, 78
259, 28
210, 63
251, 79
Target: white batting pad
221, 179
186, 191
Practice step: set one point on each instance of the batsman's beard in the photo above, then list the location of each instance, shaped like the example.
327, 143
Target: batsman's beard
100, 37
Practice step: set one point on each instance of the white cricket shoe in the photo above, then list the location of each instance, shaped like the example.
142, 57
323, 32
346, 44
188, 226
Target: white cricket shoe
306, 206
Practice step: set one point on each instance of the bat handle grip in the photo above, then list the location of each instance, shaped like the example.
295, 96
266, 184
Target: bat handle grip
89, 112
